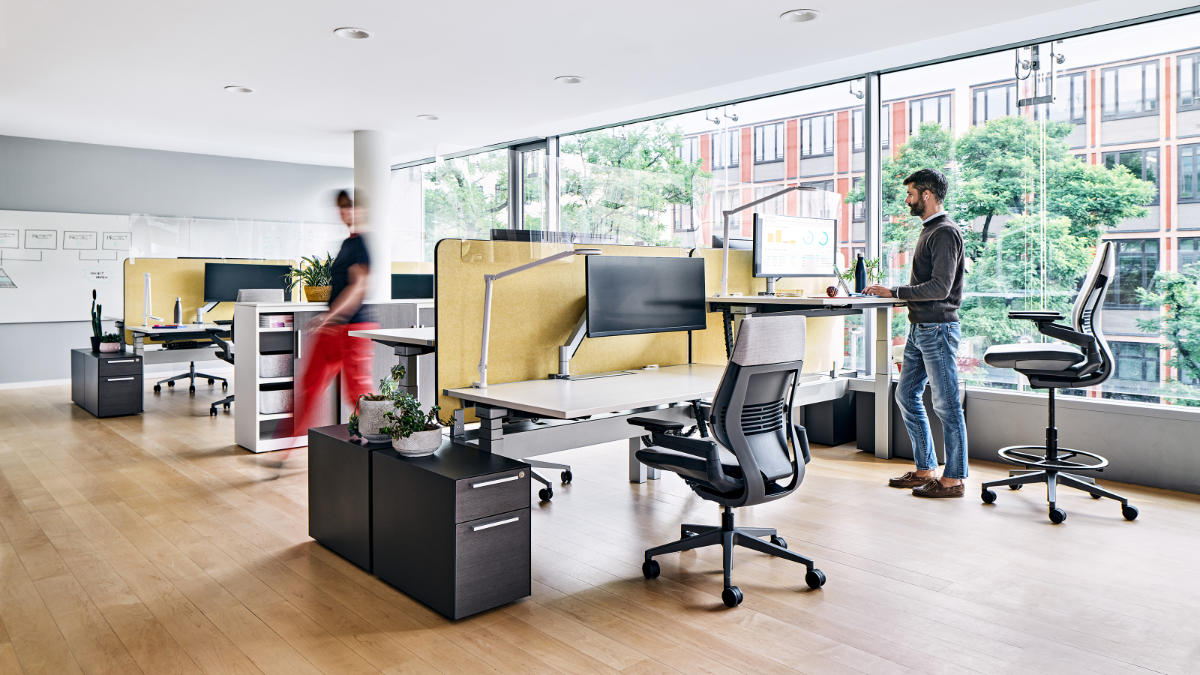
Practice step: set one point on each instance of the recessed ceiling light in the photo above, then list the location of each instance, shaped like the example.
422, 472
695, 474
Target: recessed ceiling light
427, 117
351, 33
569, 79
799, 15
238, 89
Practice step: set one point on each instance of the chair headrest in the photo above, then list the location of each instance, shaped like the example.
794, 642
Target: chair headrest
769, 339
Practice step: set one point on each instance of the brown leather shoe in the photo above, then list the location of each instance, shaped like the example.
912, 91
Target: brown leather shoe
909, 480
935, 489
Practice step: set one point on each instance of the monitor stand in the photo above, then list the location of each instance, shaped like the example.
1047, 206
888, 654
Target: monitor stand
770, 286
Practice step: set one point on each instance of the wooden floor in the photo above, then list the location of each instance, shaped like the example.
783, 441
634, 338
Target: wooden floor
152, 544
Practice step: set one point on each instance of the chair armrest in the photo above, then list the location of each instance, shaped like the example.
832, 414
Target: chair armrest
655, 426
697, 447
1036, 316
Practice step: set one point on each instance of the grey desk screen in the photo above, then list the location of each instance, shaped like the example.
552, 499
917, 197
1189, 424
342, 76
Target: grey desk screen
222, 281
643, 294
412, 286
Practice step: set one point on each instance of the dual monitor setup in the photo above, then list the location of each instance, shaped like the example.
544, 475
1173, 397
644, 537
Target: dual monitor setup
222, 281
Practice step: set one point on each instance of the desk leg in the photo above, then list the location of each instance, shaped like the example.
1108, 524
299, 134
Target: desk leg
407, 355
638, 472
491, 428
883, 380
139, 343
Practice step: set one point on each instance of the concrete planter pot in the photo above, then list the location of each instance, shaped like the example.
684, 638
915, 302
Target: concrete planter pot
419, 444
110, 347
370, 416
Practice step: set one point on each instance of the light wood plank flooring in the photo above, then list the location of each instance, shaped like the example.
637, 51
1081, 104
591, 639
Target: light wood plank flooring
152, 544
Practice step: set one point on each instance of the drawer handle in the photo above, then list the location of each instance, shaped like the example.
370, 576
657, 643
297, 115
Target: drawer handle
498, 523
488, 483
123, 361
118, 379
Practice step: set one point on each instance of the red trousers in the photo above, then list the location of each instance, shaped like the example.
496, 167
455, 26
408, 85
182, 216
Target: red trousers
333, 351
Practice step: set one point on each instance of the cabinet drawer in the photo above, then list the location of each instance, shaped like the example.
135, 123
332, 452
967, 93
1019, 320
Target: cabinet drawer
122, 365
119, 395
492, 561
491, 493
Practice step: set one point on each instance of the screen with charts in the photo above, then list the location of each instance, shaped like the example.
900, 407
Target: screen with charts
790, 246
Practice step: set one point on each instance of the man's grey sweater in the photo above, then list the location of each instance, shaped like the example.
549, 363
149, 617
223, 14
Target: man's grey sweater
934, 291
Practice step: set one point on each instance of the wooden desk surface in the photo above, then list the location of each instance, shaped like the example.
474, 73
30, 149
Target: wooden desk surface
570, 399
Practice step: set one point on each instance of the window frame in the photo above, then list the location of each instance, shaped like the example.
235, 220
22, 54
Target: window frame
760, 134
1192, 149
1106, 116
734, 138
1194, 57
1010, 90
689, 142
858, 210
1147, 273
1157, 162
1119, 346
1195, 253
913, 105
828, 133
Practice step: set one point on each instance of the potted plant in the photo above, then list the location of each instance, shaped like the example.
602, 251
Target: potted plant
110, 343
314, 275
414, 433
875, 275
95, 324
371, 408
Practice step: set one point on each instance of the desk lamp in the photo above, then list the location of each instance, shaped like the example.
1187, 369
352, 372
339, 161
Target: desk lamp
489, 279
725, 230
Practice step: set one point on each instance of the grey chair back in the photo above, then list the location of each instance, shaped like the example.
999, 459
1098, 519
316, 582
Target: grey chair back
752, 409
1085, 314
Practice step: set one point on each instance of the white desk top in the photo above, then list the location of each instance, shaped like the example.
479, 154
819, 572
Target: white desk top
418, 337
185, 328
322, 306
804, 301
569, 399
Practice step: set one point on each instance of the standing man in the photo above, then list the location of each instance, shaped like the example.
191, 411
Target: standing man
934, 294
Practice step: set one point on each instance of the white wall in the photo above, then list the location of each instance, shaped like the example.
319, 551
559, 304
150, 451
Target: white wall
39, 175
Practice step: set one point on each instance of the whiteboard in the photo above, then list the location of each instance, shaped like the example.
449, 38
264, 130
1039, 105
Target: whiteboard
50, 262
789, 246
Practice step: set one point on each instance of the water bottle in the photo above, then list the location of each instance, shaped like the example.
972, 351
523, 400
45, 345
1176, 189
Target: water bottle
178, 311
860, 274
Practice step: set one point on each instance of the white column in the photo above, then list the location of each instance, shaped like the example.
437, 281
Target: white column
372, 176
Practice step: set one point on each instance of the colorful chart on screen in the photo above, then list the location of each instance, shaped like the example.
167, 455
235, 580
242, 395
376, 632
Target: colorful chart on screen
790, 246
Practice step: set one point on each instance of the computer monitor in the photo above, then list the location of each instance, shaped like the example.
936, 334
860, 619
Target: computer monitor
222, 281
791, 246
643, 294
410, 286
735, 243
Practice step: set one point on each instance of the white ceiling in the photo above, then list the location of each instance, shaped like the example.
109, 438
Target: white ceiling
150, 74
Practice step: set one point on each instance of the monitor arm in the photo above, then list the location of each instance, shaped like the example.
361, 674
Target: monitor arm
567, 351
771, 285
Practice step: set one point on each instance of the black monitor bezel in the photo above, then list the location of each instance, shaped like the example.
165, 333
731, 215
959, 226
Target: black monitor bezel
587, 312
286, 288
392, 280
756, 272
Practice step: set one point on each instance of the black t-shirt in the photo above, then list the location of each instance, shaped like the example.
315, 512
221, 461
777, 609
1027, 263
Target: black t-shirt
353, 252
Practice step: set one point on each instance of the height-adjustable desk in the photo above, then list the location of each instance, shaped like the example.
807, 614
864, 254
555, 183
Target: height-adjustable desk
565, 414
408, 344
823, 306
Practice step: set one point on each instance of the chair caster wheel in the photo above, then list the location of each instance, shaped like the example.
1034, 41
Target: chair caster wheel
566, 477
191, 389
1015, 487
815, 578
211, 382
779, 541
212, 412
732, 596
650, 569
224, 386
1057, 515
545, 494
226, 407
1129, 511
158, 388
988, 496
1095, 496
171, 385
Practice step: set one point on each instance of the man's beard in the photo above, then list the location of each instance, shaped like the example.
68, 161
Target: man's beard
915, 209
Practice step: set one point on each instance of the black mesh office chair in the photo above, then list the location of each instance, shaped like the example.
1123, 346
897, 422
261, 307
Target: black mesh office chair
1085, 362
756, 455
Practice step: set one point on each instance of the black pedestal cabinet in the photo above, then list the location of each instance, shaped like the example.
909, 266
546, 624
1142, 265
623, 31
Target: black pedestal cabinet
106, 385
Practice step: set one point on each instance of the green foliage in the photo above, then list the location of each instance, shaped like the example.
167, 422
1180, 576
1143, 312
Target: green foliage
1179, 293
389, 387
313, 271
110, 337
96, 309
875, 272
352, 424
465, 197
622, 182
406, 418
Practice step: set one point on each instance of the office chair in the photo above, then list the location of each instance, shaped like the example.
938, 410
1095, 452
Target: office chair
224, 347
1085, 362
191, 373
756, 454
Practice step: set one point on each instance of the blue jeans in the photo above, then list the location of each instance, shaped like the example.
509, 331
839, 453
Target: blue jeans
929, 357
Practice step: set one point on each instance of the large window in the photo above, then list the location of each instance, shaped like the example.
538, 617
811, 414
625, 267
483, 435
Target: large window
858, 128
934, 109
769, 143
774, 207
1189, 252
1142, 164
1189, 173
1137, 261
993, 102
1070, 99
816, 136
1136, 361
689, 149
1189, 82
1129, 91
465, 197
726, 148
